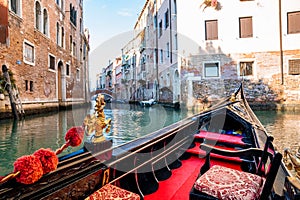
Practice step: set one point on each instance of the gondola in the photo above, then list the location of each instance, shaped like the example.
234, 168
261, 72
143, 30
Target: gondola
223, 152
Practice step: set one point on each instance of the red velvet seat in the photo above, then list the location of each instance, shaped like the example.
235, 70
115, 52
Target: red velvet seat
111, 192
225, 183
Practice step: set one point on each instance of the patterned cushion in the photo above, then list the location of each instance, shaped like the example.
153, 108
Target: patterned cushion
111, 192
225, 183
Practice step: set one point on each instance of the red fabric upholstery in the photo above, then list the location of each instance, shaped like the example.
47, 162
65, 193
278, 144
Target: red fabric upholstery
225, 183
111, 192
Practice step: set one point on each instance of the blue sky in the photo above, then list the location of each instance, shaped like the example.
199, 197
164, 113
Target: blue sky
110, 23
107, 18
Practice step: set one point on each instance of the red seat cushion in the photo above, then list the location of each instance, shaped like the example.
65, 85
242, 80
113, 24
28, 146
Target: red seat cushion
225, 183
111, 192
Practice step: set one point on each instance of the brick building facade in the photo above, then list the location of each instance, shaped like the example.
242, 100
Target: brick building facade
46, 47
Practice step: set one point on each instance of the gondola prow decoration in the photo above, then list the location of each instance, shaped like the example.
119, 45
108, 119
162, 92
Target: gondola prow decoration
96, 123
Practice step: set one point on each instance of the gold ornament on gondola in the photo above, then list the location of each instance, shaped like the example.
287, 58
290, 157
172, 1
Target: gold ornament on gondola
96, 123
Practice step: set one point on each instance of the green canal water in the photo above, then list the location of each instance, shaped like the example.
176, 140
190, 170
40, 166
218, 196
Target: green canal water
128, 122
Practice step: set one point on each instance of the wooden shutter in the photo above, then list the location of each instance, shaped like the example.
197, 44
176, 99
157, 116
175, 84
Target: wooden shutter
211, 28
246, 29
3, 22
293, 22
294, 67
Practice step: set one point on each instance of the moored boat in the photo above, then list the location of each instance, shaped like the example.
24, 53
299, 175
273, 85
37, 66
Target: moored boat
221, 153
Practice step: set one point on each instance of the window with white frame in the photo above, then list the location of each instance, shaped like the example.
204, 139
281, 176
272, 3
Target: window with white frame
211, 70
246, 68
51, 62
15, 6
28, 53
38, 16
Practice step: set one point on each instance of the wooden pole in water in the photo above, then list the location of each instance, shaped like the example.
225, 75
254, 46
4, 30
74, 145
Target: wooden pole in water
8, 89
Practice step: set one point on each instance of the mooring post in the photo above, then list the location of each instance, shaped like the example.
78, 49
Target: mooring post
8, 89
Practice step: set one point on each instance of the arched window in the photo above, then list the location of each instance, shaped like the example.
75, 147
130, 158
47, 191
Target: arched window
38, 13
57, 34
71, 45
62, 36
46, 22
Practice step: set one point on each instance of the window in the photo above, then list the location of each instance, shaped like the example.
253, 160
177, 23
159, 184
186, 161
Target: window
175, 7
211, 30
246, 68
15, 6
161, 56
46, 22
38, 13
211, 70
67, 69
81, 25
77, 74
168, 49
294, 67
31, 86
51, 62
246, 29
28, 85
160, 28
176, 43
28, 53
167, 19
73, 15
62, 37
74, 49
70, 45
57, 34
293, 22
155, 21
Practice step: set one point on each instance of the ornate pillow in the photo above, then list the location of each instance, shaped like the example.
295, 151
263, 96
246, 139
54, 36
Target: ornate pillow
225, 183
111, 192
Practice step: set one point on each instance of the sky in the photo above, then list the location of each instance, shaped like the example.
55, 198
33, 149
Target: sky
109, 22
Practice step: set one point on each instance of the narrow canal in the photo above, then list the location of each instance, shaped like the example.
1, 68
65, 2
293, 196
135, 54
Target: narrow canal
128, 122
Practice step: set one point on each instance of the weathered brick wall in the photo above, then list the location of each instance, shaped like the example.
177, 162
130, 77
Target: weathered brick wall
44, 80
265, 87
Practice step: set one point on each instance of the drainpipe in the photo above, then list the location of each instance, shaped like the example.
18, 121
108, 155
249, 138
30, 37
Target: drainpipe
170, 17
156, 52
280, 44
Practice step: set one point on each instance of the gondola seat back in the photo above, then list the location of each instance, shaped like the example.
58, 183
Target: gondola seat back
219, 182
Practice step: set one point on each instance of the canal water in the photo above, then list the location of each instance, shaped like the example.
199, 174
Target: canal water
128, 122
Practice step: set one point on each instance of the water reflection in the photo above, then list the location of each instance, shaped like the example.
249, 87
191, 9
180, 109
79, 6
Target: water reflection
284, 126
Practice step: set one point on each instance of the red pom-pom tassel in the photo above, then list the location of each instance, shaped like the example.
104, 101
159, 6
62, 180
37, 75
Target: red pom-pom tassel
48, 159
74, 136
29, 168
